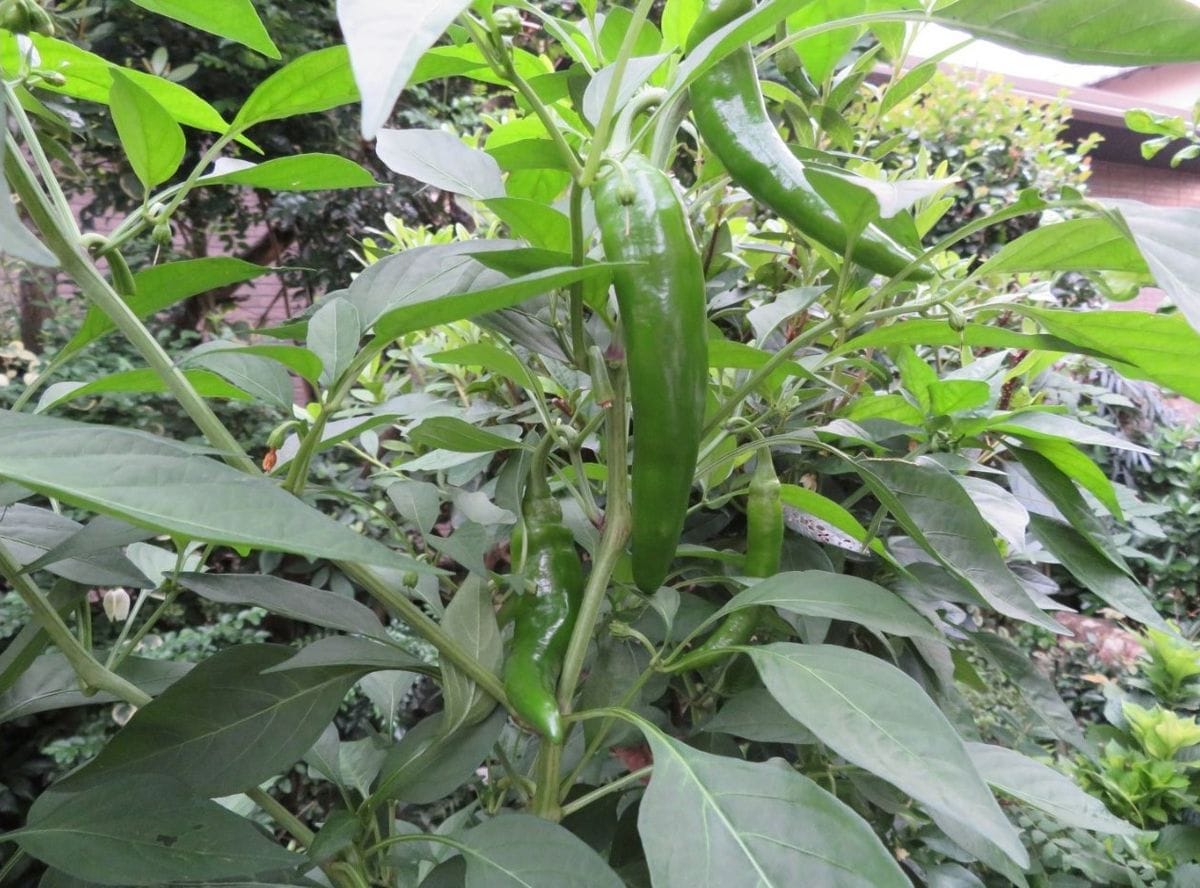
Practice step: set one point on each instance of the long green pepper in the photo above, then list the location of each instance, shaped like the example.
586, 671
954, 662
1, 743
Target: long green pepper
764, 550
662, 307
731, 117
545, 554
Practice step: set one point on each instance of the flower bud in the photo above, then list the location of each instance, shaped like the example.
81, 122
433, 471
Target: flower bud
116, 605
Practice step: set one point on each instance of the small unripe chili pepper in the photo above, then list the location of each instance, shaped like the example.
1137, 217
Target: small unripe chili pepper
545, 555
663, 322
764, 549
732, 119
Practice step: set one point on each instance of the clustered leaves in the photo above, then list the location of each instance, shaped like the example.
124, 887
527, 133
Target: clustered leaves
927, 480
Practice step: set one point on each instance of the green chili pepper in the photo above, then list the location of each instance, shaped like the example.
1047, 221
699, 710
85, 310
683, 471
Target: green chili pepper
662, 308
732, 119
544, 552
764, 548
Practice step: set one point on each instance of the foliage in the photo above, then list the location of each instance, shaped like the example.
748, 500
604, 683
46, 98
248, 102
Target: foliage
926, 481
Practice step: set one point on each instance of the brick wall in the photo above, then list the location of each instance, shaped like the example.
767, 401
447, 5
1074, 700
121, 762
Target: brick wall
1164, 188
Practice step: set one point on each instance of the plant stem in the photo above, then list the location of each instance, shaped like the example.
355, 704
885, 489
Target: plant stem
281, 815
578, 339
39, 157
426, 628
607, 789
758, 376
605, 123
92, 675
67, 249
11, 864
617, 521
545, 799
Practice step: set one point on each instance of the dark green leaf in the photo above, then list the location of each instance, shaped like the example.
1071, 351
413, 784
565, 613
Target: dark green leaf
333, 335
16, 240
144, 380
523, 851
936, 511
711, 820
295, 601
211, 727
448, 433
167, 486
29, 533
145, 831
834, 596
428, 764
1044, 788
1094, 572
50, 683
878, 718
360, 654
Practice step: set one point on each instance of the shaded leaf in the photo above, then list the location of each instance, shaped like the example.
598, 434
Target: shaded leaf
235, 20
523, 851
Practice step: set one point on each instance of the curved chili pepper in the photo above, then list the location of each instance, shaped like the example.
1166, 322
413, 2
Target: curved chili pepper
662, 308
764, 549
545, 554
731, 117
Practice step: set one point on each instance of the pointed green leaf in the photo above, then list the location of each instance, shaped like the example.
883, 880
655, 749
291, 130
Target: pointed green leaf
235, 20
29, 532
51, 683
316, 81
301, 172
333, 335
167, 486
878, 718
153, 141
523, 851
834, 596
295, 601
710, 820
146, 831
224, 726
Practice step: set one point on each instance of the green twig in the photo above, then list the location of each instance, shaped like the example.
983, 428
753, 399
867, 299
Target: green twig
281, 815
607, 789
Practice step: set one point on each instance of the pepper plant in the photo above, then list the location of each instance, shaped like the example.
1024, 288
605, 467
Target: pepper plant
766, 461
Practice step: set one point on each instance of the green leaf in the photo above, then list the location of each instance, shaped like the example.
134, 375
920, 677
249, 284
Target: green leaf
822, 52
711, 820
948, 397
1092, 243
816, 593
1069, 460
207, 385
935, 510
827, 510
167, 486
234, 20
16, 240
386, 43
161, 286
295, 601
1044, 788
146, 831
23, 649
1166, 236
1062, 493
1161, 348
438, 158
878, 718
208, 728
316, 81
756, 715
541, 225
523, 851
470, 619
363, 654
333, 335
1038, 691
448, 433
1094, 572
1042, 425
51, 683
259, 377
677, 19
1099, 32
29, 533
90, 77
300, 172
153, 141
428, 764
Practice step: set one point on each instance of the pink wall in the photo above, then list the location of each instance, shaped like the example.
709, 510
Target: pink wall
1177, 86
